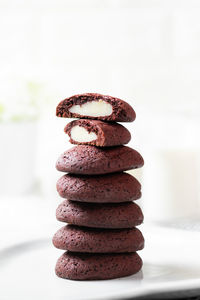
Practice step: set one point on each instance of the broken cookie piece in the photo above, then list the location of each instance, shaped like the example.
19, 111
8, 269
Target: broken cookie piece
96, 106
97, 133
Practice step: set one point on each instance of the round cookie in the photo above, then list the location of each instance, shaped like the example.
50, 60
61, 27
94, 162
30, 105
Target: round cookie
95, 240
97, 133
82, 266
91, 160
118, 187
107, 215
96, 106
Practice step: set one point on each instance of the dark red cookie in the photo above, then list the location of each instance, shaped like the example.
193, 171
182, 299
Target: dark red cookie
96, 106
107, 215
117, 187
91, 160
82, 266
95, 240
97, 133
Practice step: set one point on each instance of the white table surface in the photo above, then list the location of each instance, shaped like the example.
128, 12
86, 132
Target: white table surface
171, 258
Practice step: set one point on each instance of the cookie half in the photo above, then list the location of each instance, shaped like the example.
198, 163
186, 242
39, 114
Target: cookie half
117, 187
82, 266
96, 106
97, 133
95, 240
107, 215
91, 160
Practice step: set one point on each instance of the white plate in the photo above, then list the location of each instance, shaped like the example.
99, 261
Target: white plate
171, 262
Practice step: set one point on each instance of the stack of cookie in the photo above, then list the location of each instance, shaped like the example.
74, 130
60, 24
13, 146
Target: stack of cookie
100, 239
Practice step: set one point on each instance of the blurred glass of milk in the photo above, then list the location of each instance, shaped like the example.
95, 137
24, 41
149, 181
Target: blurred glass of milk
170, 146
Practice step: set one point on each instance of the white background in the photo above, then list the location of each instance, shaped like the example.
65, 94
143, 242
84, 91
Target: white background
146, 52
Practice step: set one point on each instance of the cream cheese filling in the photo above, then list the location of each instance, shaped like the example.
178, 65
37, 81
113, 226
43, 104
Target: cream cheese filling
92, 108
81, 135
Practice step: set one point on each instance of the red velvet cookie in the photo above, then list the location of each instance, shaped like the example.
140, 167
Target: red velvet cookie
91, 160
96, 106
82, 266
97, 133
106, 215
95, 240
117, 187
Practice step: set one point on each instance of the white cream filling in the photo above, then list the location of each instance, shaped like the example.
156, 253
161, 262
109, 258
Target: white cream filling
92, 108
81, 135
